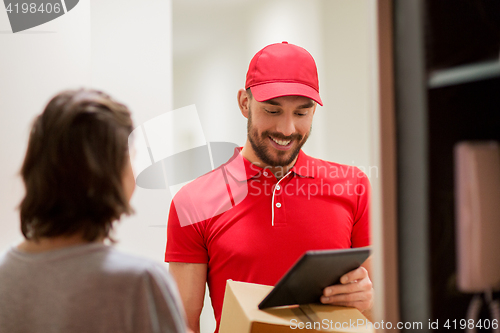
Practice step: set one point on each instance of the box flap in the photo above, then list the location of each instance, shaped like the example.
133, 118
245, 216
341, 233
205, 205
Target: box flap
350, 319
249, 295
241, 313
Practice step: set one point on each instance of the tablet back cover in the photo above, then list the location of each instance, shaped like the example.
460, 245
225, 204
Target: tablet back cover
314, 271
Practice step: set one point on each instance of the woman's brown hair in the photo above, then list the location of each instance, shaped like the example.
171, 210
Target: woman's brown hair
72, 171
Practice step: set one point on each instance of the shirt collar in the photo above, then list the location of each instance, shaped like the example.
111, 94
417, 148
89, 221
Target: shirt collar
242, 169
304, 165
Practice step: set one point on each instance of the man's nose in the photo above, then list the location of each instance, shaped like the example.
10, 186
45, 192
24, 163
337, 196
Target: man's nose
286, 126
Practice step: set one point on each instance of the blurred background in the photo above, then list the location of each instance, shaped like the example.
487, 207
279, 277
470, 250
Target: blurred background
402, 82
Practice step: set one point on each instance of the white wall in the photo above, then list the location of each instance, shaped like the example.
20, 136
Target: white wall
347, 75
34, 65
132, 60
214, 42
121, 47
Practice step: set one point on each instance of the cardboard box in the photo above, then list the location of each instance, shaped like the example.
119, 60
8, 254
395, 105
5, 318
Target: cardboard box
240, 314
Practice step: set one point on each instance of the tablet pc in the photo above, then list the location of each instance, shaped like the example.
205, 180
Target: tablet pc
313, 272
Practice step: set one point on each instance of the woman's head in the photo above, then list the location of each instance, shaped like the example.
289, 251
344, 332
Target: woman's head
76, 171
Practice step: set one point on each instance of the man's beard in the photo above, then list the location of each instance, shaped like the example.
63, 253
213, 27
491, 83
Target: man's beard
262, 150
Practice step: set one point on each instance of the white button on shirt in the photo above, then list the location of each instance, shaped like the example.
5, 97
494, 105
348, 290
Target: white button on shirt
276, 188
265, 173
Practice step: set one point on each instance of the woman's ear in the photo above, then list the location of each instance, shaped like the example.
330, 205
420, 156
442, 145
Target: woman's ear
244, 102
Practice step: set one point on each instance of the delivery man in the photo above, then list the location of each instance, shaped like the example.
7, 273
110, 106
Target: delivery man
276, 202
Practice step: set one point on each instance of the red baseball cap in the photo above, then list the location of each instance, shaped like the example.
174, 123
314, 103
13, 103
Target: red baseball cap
283, 69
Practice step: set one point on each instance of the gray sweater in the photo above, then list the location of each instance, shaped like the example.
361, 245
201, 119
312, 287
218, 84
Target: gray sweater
86, 288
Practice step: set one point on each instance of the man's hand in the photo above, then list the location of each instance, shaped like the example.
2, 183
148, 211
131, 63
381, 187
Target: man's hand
355, 290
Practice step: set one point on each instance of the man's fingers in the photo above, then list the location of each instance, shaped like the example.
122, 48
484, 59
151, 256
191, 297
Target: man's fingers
354, 286
355, 290
357, 274
341, 289
361, 300
352, 297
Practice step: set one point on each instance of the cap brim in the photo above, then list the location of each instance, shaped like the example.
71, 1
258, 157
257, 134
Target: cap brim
266, 91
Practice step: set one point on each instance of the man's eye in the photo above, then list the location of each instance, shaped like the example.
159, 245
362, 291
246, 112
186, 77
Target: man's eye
271, 111
301, 114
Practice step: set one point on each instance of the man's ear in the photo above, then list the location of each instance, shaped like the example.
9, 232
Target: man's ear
244, 102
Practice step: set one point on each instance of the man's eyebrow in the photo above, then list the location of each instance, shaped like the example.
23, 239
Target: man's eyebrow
272, 102
308, 105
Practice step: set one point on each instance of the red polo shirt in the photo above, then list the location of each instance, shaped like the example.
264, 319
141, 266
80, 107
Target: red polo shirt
230, 219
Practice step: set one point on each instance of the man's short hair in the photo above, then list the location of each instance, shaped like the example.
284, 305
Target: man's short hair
74, 165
